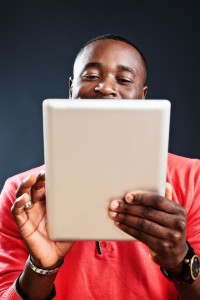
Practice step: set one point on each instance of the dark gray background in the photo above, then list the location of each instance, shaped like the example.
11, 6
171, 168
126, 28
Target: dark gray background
39, 40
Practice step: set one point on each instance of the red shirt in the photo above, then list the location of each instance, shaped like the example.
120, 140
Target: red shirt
123, 270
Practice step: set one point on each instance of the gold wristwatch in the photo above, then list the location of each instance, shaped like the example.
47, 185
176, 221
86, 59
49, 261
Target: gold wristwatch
190, 270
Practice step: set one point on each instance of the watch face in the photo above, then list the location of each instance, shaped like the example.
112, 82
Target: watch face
194, 267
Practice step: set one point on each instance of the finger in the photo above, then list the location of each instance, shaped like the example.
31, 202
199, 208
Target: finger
153, 200
161, 251
26, 185
130, 196
168, 191
18, 206
120, 210
40, 180
148, 207
18, 209
38, 189
172, 221
151, 241
149, 227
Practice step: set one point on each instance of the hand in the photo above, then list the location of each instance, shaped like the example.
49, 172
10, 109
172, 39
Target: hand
32, 223
156, 221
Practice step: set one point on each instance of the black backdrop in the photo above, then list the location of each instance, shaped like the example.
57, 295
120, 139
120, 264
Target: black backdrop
39, 40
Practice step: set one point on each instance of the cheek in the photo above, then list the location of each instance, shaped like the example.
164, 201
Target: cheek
136, 92
83, 91
133, 93
76, 90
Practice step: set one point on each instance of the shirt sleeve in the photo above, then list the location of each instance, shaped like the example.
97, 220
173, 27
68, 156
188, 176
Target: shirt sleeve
193, 208
13, 253
184, 176
11, 294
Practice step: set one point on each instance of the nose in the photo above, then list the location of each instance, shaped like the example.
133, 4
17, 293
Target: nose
106, 89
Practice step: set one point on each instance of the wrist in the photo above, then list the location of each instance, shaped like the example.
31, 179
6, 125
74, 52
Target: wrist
37, 268
177, 269
23, 295
187, 271
47, 265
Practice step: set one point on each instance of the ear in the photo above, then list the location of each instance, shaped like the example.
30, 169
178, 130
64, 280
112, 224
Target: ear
145, 88
70, 86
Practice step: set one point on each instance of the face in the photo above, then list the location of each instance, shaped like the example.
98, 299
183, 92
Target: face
108, 69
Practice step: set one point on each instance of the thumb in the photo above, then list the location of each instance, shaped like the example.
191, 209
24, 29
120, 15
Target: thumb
168, 191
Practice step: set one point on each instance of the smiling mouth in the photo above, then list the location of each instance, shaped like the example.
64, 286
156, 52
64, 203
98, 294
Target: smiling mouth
101, 97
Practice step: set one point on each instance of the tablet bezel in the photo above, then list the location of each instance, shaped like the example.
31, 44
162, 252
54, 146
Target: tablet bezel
90, 148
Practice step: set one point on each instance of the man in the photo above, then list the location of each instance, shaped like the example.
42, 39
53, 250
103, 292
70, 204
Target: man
107, 67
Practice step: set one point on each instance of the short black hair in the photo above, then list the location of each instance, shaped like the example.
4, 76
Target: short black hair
115, 37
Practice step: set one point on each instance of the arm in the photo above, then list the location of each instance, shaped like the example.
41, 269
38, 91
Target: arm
161, 225
32, 226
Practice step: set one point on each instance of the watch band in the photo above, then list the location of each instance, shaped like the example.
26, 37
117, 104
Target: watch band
190, 269
42, 271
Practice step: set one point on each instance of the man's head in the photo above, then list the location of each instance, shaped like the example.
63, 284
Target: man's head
109, 67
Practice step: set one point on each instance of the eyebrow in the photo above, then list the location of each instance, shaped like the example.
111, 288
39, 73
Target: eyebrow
119, 67
126, 69
93, 65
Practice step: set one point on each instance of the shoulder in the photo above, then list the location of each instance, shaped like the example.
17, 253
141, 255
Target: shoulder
184, 175
182, 164
13, 182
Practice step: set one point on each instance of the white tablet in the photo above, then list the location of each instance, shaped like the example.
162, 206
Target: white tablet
95, 151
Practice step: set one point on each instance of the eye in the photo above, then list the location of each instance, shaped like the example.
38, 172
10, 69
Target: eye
91, 77
124, 80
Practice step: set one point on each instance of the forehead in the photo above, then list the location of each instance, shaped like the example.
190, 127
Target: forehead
109, 53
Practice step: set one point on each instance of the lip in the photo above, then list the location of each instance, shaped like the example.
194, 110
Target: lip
100, 97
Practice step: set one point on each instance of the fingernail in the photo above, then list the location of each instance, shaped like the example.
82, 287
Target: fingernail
114, 204
24, 180
112, 214
129, 198
42, 172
